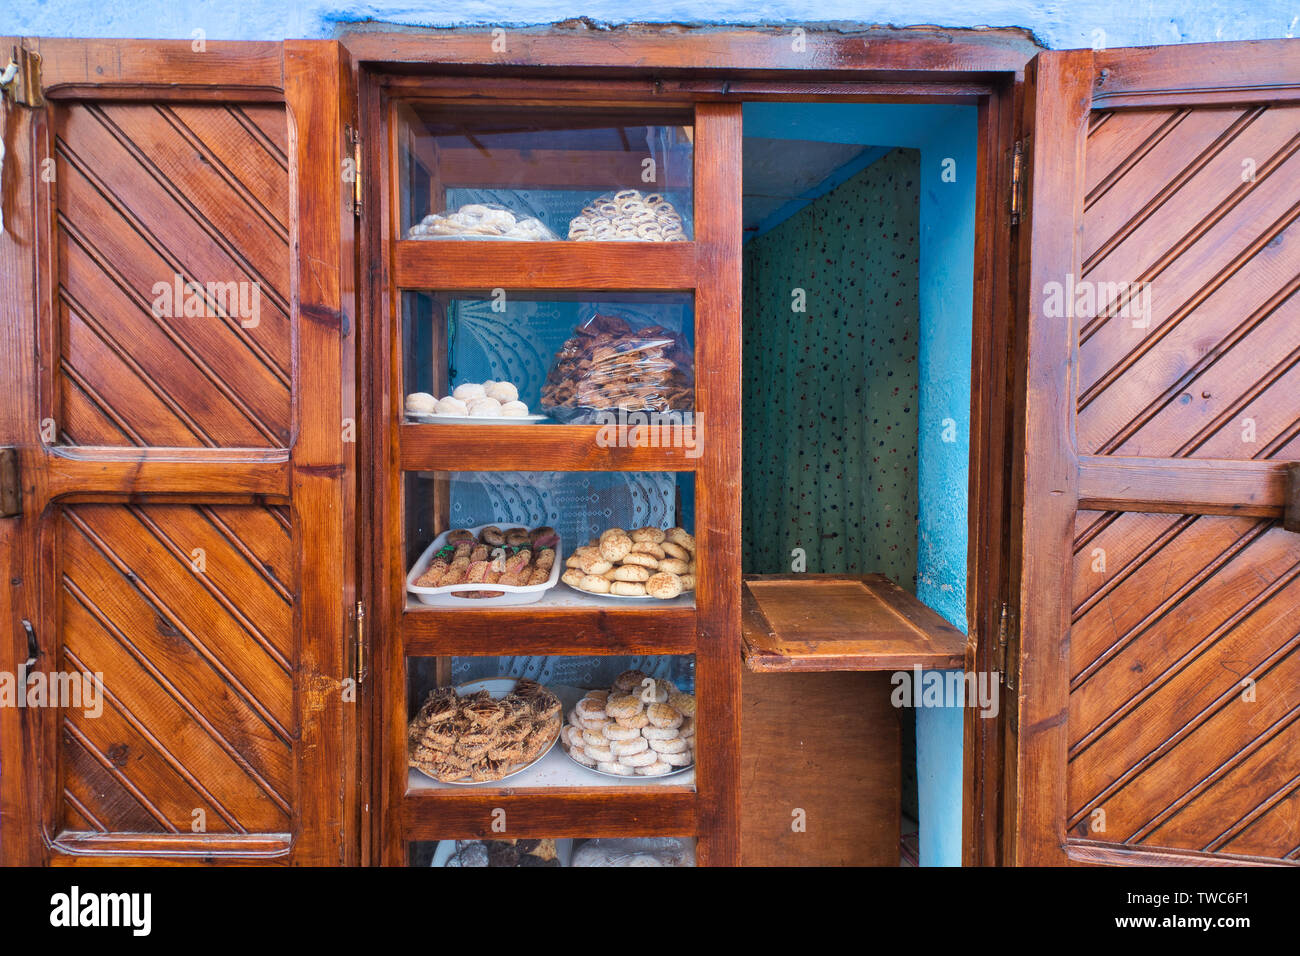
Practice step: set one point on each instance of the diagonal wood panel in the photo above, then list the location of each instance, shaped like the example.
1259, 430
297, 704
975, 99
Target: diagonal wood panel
1203, 205
1187, 615
146, 193
180, 610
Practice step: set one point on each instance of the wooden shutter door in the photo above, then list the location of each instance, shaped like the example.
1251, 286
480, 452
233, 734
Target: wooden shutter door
1158, 718
177, 325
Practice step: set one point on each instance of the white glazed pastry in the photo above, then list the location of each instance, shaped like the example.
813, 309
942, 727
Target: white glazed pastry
514, 409
485, 408
502, 391
468, 391
421, 402
451, 406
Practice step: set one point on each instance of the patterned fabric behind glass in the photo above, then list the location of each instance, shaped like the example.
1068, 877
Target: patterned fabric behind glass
830, 394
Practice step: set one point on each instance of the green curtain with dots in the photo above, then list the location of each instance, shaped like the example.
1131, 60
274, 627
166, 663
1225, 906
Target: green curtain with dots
830, 392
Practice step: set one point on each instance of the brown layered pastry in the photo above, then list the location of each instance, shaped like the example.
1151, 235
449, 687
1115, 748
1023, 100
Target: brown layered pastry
606, 365
476, 737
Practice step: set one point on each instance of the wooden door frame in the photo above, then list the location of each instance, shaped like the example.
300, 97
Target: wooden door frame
984, 68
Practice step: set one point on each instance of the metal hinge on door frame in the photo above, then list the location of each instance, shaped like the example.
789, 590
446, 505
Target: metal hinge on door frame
359, 619
1017, 181
354, 138
1006, 627
21, 77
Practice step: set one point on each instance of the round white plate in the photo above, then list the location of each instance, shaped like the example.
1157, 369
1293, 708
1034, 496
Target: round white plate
475, 419
625, 597
498, 687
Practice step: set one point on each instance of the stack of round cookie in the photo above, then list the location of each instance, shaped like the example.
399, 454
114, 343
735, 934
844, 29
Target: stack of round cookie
640, 726
647, 562
628, 215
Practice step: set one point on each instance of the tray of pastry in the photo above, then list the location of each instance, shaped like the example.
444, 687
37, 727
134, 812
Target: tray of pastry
645, 564
639, 727
486, 566
484, 730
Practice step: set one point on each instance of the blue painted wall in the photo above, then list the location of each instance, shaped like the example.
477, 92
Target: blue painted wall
1055, 25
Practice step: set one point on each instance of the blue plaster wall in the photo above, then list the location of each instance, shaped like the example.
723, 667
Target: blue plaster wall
1056, 25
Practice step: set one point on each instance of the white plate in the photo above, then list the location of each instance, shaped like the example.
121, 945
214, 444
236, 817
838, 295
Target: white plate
513, 595
626, 597
570, 700
498, 687
475, 419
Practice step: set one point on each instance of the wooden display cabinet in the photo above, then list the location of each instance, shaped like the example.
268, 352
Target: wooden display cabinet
417, 173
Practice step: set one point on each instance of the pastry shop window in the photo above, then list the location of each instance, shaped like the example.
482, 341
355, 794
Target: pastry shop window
555, 852
498, 356
527, 174
479, 540
551, 721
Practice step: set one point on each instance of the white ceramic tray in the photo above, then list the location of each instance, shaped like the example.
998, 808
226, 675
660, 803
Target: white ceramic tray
433, 419
446, 596
498, 687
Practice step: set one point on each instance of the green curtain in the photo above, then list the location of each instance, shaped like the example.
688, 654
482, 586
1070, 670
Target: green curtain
830, 393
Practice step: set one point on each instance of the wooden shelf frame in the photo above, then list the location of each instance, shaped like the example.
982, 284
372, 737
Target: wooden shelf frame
709, 268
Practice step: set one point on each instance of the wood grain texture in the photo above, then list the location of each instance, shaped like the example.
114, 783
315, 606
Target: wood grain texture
1158, 715
515, 266
1056, 108
805, 750
158, 69
321, 101
196, 708
160, 197
900, 55
1256, 488
832, 622
467, 813
717, 507
431, 632
194, 546
562, 447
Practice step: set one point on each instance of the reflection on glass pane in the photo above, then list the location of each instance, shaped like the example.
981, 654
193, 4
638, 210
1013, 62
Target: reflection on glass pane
572, 357
529, 174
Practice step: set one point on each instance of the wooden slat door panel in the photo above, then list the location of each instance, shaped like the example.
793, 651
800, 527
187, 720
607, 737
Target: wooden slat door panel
1158, 717
182, 324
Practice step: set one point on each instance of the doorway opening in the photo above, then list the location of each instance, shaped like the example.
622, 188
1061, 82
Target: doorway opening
857, 301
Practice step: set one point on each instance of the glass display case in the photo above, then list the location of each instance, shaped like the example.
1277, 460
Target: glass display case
514, 173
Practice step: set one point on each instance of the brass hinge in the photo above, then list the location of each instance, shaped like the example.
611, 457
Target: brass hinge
354, 137
1006, 626
361, 642
21, 78
1017, 181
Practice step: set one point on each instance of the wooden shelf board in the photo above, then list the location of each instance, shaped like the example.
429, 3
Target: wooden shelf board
612, 808
596, 266
837, 622
563, 622
542, 447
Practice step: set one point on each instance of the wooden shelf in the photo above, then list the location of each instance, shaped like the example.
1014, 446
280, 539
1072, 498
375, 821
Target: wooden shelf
842, 622
596, 266
564, 622
543, 448
467, 813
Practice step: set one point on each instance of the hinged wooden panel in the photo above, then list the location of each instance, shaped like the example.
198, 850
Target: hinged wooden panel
179, 269
1159, 716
